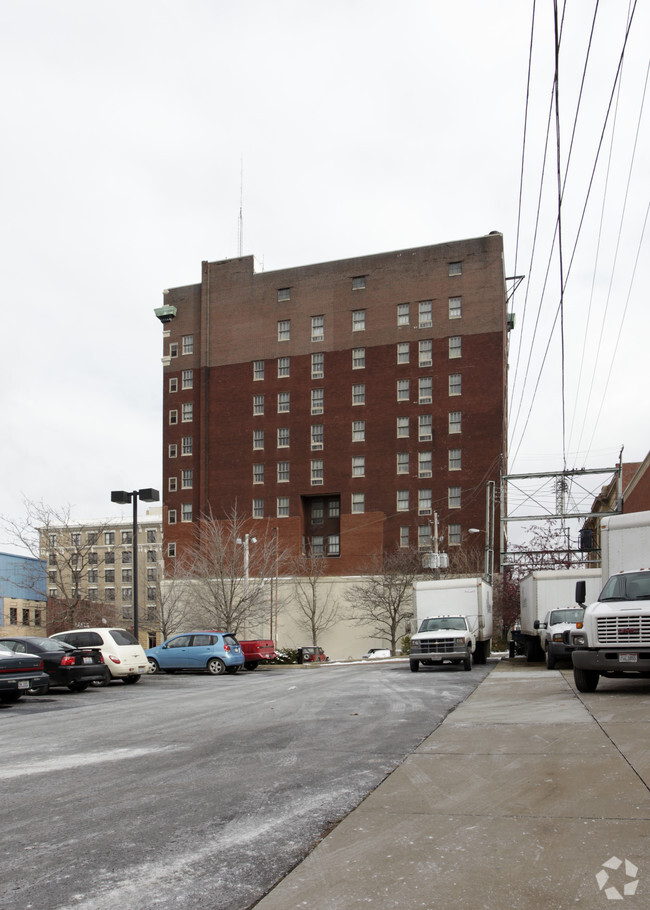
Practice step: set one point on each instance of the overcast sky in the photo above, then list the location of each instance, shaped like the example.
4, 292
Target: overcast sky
364, 126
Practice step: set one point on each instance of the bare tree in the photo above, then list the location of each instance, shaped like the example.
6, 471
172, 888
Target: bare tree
228, 572
385, 597
73, 559
318, 609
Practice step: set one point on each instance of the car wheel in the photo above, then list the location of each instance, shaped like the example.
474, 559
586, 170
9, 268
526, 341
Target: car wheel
585, 680
131, 680
232, 670
215, 666
153, 665
78, 686
251, 665
550, 660
467, 663
414, 665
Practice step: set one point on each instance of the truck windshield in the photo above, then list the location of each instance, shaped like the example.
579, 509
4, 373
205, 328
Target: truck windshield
440, 624
571, 615
631, 586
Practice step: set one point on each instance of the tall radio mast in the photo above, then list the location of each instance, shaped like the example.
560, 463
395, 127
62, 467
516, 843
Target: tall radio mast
240, 233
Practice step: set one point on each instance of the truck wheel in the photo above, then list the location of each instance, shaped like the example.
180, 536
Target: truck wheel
414, 665
585, 680
251, 665
550, 660
467, 663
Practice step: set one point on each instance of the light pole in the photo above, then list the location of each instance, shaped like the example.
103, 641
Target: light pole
247, 539
123, 497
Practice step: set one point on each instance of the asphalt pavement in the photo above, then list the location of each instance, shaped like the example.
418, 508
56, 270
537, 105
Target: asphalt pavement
528, 795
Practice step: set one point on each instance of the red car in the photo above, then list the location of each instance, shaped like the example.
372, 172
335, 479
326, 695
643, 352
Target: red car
19, 673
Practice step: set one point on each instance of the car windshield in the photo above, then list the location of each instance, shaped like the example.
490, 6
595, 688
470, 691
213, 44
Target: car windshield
630, 586
572, 615
122, 637
444, 623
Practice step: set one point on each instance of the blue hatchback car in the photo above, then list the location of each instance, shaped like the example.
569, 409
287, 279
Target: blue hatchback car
216, 652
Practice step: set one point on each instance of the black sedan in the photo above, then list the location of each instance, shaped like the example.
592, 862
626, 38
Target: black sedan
65, 665
19, 673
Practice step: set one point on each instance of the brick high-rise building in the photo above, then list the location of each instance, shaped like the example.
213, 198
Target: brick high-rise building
345, 402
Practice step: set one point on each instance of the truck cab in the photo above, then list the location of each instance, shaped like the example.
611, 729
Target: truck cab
442, 639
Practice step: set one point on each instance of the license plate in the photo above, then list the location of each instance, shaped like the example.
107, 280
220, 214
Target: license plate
627, 658
88, 660
23, 684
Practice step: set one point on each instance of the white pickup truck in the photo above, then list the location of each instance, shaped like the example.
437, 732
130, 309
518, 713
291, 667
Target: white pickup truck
442, 638
552, 635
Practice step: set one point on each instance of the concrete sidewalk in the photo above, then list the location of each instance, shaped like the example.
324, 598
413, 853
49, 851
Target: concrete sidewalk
517, 800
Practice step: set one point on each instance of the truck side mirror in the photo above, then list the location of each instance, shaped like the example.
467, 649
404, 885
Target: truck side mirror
581, 592
536, 624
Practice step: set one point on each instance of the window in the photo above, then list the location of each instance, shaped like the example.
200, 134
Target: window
258, 473
455, 347
284, 329
317, 328
109, 538
425, 464
453, 534
188, 379
283, 367
358, 465
283, 472
359, 283
404, 536
188, 344
283, 506
425, 314
358, 358
258, 405
317, 512
127, 594
403, 314
454, 498
403, 461
358, 502
171, 550
186, 511
424, 537
173, 450
173, 349
173, 417
258, 439
187, 413
317, 401
151, 557
455, 459
109, 575
425, 352
403, 352
317, 545
317, 436
425, 390
127, 575
92, 576
358, 320
455, 268
172, 484
317, 365
283, 402
171, 516
187, 479
317, 471
455, 384
258, 370
283, 437
284, 294
52, 540
76, 538
151, 593
402, 500
37, 617
402, 426
333, 545
151, 535
358, 431
334, 508
127, 537
403, 387
455, 311
109, 594
173, 384
425, 427
455, 421
186, 445
424, 502
258, 508
359, 393
109, 558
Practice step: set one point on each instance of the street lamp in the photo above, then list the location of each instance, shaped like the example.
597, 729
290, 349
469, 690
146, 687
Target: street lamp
123, 497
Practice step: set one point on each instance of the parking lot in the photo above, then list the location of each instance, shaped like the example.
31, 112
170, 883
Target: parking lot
195, 791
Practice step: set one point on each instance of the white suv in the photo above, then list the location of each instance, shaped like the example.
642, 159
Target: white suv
122, 653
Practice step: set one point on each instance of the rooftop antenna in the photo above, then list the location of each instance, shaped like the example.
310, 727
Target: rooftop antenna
240, 233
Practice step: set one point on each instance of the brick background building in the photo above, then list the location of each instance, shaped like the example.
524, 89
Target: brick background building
343, 403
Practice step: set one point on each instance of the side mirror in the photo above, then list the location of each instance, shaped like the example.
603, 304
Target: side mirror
581, 592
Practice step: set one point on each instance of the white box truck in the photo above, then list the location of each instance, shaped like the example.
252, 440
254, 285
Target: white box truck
454, 622
614, 639
542, 592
